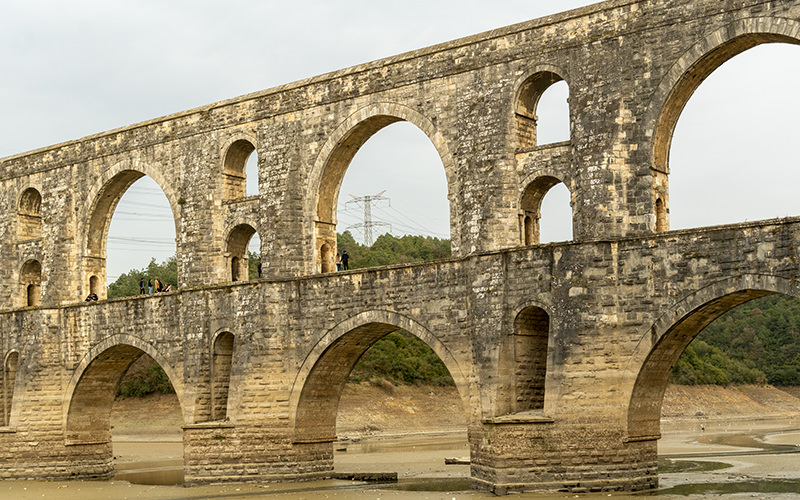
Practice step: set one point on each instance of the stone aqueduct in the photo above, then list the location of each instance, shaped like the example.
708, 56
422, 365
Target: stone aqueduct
560, 352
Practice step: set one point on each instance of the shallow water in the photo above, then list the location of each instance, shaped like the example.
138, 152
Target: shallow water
730, 460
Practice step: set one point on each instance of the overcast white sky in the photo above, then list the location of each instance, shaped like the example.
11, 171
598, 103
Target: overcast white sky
71, 69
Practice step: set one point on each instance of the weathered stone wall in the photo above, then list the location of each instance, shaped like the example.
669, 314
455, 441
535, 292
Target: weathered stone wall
621, 302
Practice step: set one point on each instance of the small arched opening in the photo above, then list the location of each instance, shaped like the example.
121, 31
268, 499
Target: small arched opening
241, 170
542, 110
9, 379
327, 260
531, 336
546, 212
31, 280
662, 219
221, 363
30, 215
239, 249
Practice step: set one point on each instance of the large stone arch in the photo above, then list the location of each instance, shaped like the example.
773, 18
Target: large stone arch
101, 202
335, 156
91, 389
696, 64
317, 387
648, 369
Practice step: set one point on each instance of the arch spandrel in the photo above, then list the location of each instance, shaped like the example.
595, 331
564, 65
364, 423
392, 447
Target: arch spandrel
696, 64
348, 340
646, 374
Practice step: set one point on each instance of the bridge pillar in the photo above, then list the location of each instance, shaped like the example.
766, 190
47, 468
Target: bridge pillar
519, 453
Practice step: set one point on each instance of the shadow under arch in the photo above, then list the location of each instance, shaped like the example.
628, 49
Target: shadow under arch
335, 156
526, 360
101, 202
318, 386
691, 69
657, 352
93, 386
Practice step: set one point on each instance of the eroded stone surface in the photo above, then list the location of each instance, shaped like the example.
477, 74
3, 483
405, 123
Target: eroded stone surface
259, 366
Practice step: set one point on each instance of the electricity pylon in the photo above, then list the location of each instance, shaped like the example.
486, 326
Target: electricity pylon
368, 224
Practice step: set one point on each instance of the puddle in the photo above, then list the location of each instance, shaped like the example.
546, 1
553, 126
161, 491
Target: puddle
152, 477
157, 473
431, 484
669, 466
759, 486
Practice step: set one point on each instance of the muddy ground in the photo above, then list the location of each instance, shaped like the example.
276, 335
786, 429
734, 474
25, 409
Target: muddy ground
372, 409
732, 443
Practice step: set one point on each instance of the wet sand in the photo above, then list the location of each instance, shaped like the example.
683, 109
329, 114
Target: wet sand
760, 454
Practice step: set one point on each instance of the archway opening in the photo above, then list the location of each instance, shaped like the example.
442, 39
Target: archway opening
30, 278
385, 179
644, 412
124, 406
730, 134
378, 380
131, 237
244, 261
9, 379
30, 215
222, 360
546, 212
542, 111
240, 170
716, 368
530, 341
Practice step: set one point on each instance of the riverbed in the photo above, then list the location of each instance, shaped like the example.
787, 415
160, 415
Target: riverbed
705, 460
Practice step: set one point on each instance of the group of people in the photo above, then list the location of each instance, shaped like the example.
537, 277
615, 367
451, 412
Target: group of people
156, 285
342, 261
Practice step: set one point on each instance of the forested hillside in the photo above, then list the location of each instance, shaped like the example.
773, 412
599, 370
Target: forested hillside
757, 342
388, 250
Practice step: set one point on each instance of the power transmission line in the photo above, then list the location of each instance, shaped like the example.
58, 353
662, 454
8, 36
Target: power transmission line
368, 223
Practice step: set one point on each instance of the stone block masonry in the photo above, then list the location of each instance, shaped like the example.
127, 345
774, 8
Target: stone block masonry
560, 352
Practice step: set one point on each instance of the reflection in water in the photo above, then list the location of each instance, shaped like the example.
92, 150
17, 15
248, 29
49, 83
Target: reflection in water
152, 477
760, 486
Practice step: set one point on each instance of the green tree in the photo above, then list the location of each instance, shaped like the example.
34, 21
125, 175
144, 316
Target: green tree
253, 260
755, 342
127, 284
389, 250
401, 358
